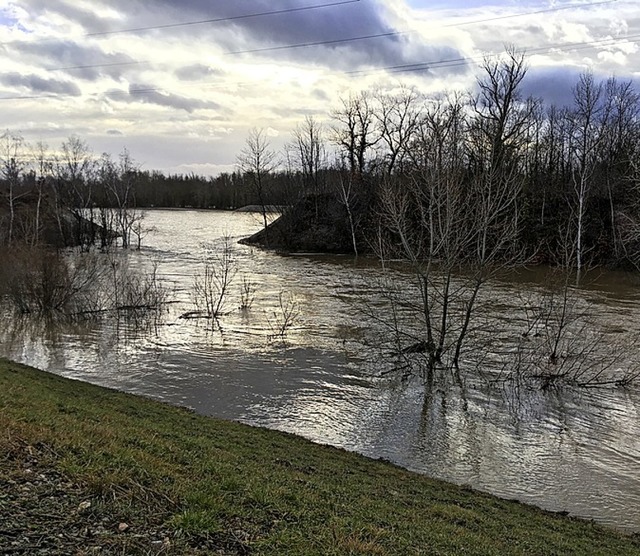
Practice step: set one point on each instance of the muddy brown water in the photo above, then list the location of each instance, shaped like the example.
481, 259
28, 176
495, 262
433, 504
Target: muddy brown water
568, 449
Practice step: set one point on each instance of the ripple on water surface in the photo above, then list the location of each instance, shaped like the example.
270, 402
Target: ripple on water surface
577, 451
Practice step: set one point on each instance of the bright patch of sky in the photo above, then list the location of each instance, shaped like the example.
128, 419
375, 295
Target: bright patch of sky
6, 19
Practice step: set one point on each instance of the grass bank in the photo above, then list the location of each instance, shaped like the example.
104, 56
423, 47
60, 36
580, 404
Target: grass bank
83, 467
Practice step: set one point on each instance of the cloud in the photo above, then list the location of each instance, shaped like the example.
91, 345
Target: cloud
37, 84
80, 61
333, 26
288, 27
88, 20
555, 85
148, 94
172, 93
196, 71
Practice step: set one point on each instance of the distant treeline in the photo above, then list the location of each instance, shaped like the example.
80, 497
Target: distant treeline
226, 191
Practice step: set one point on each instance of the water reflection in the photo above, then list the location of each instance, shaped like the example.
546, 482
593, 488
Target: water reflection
569, 450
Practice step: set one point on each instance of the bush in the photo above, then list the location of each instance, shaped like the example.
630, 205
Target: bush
42, 280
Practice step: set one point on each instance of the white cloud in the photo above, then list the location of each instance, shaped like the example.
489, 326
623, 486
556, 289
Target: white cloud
177, 99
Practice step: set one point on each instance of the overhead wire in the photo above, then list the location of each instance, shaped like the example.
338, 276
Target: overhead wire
546, 10
221, 19
317, 43
320, 43
95, 66
400, 33
454, 62
413, 67
402, 68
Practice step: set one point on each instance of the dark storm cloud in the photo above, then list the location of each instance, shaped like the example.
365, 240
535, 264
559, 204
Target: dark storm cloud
333, 23
79, 61
37, 84
297, 26
556, 85
147, 94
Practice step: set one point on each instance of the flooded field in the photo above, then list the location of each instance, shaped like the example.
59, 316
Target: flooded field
325, 377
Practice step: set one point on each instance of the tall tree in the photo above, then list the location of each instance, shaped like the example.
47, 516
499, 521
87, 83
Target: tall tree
257, 161
309, 155
397, 117
503, 114
73, 187
355, 131
13, 165
585, 137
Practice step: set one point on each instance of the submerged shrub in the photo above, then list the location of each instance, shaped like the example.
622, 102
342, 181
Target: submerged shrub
43, 280
48, 282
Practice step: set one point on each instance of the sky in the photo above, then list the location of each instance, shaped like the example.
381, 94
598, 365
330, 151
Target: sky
180, 83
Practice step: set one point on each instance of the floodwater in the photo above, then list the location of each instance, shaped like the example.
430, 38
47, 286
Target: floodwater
326, 378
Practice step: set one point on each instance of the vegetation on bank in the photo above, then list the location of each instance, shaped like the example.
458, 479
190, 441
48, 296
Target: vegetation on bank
134, 476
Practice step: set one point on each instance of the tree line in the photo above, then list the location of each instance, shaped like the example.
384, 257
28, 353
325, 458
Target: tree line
563, 180
384, 162
71, 196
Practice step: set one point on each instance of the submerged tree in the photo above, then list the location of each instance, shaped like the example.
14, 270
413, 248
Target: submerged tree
457, 220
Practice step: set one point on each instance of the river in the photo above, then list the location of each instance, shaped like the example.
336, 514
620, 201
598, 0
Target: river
565, 449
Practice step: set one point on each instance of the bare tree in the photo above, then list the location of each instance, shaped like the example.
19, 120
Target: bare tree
503, 115
355, 130
620, 136
127, 217
457, 227
629, 219
13, 165
257, 161
346, 197
73, 187
586, 136
309, 155
562, 343
212, 284
397, 118
43, 173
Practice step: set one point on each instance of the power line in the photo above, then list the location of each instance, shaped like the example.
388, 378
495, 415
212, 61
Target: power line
189, 23
413, 67
454, 62
323, 42
555, 9
221, 19
93, 66
402, 68
399, 33
319, 43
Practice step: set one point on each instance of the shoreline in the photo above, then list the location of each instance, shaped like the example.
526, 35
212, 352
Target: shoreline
182, 482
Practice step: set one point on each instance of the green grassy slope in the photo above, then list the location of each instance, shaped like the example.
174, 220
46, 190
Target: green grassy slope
187, 484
